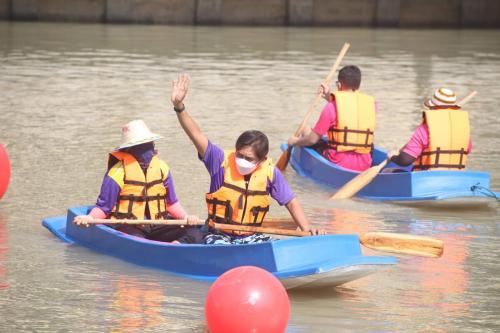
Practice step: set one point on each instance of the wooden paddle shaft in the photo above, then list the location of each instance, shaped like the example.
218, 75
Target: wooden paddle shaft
357, 183
174, 222
467, 98
264, 230
388, 242
381, 241
327, 82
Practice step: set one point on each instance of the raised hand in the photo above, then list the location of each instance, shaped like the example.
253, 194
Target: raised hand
392, 153
324, 90
179, 90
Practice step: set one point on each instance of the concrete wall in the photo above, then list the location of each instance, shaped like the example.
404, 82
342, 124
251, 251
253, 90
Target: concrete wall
74, 10
430, 13
480, 13
151, 11
388, 12
392, 13
344, 12
24, 10
4, 9
240, 12
59, 10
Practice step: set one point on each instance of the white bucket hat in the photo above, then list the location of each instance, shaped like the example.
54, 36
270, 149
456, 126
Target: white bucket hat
136, 132
442, 96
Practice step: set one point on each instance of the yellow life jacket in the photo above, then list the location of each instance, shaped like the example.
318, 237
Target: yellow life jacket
138, 191
355, 123
449, 134
239, 201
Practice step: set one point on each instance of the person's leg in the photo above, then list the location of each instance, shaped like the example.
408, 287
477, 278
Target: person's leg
321, 146
217, 238
252, 239
166, 233
130, 229
192, 235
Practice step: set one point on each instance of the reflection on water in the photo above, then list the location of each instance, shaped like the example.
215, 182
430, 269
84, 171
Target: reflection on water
67, 89
138, 304
3, 251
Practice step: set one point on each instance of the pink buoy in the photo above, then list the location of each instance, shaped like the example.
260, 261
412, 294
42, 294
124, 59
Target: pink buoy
4, 170
247, 299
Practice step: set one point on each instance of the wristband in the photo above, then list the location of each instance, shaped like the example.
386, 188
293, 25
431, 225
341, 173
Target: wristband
180, 109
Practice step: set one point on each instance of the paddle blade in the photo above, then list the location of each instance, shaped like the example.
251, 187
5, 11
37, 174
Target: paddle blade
403, 243
357, 183
282, 162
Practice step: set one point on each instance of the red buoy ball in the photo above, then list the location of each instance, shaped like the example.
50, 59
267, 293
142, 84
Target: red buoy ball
247, 299
4, 170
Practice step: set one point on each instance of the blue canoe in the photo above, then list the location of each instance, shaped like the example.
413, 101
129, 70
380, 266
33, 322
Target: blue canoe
461, 187
310, 262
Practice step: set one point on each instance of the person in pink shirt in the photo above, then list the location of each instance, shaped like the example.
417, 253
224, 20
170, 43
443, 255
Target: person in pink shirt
350, 127
457, 144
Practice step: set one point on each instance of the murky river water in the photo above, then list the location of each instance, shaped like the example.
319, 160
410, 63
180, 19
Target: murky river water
66, 90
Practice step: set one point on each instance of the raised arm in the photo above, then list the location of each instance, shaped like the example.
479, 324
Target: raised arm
179, 91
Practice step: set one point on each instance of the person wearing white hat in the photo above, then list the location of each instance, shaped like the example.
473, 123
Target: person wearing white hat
442, 141
139, 185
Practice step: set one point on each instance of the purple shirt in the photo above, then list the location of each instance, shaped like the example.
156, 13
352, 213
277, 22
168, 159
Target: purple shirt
278, 188
110, 190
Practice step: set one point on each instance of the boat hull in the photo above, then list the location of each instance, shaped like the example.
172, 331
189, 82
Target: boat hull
402, 187
307, 262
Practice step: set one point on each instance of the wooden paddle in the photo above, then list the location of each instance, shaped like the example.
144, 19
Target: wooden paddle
388, 242
357, 183
282, 161
381, 241
277, 220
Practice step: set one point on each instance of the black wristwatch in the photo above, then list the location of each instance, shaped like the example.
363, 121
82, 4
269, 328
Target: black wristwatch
181, 109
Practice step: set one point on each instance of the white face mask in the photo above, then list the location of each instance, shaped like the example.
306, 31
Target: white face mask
245, 167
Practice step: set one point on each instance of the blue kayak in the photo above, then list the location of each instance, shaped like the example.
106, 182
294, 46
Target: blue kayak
306, 262
405, 186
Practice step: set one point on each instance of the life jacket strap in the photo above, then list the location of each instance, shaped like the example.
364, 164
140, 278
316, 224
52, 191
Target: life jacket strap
128, 215
145, 184
141, 198
255, 212
228, 210
242, 190
332, 143
438, 152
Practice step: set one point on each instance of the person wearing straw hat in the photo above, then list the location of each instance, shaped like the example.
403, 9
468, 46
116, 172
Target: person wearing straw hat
242, 180
139, 185
348, 120
442, 141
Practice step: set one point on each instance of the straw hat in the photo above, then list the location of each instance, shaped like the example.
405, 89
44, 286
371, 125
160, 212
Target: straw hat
136, 132
442, 96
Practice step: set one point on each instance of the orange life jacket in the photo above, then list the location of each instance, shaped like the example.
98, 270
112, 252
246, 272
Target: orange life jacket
139, 191
449, 134
238, 201
355, 123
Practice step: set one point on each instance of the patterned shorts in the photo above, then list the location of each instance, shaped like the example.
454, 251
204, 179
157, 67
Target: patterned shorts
220, 238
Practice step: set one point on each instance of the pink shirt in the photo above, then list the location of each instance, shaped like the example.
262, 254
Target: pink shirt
420, 141
349, 160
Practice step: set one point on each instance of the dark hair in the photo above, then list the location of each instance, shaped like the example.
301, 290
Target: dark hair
257, 140
350, 76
